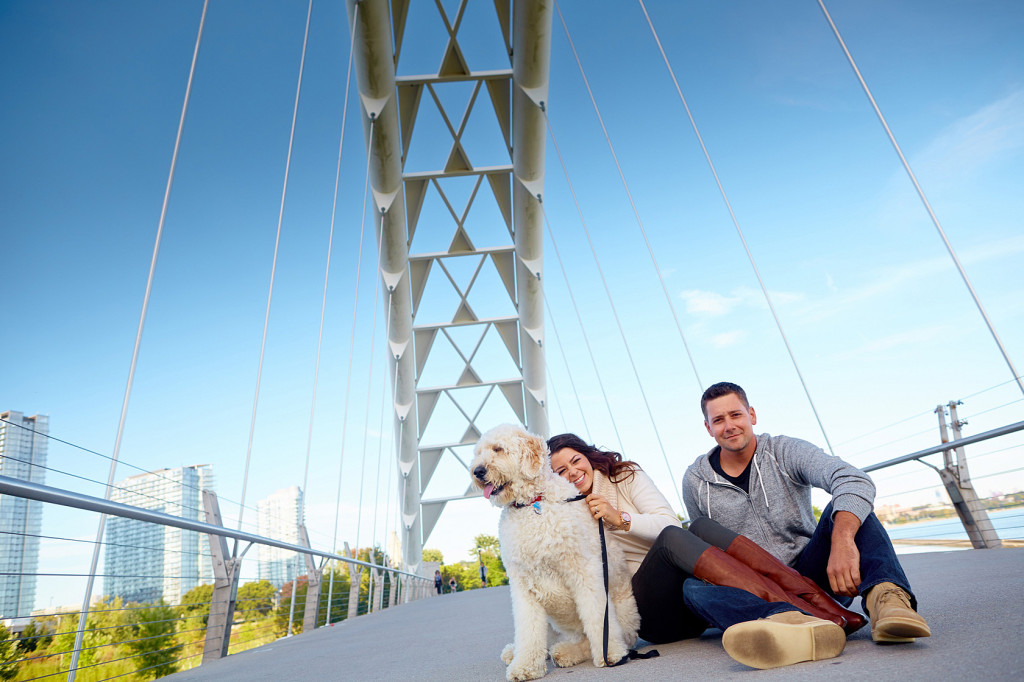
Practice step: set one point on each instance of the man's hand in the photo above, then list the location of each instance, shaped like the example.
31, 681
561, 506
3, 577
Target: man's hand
844, 560
600, 508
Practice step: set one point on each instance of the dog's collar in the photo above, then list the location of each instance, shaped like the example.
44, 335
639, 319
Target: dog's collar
537, 500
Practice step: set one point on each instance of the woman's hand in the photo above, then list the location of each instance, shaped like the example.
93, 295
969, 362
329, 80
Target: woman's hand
601, 508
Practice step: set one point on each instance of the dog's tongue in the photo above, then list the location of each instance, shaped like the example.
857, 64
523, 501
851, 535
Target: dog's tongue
488, 489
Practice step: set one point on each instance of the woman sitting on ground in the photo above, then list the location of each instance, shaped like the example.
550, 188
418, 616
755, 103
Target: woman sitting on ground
662, 555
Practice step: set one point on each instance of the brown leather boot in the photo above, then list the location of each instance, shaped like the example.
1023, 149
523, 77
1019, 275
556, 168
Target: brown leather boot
783, 639
718, 568
762, 561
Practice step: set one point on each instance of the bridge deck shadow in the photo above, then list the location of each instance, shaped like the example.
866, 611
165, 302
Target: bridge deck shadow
973, 600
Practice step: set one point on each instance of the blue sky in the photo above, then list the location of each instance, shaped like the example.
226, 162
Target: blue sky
882, 326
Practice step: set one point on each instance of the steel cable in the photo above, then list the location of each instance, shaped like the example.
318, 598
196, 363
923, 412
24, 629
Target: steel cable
924, 199
736, 224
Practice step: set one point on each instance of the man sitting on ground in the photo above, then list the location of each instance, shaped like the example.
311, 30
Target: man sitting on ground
759, 486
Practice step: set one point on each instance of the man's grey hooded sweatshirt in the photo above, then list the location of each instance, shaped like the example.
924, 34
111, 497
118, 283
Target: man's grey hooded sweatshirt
776, 514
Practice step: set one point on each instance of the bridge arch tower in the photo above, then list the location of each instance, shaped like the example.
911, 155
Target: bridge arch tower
390, 107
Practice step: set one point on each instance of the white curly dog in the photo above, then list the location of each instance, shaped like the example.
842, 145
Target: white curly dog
552, 554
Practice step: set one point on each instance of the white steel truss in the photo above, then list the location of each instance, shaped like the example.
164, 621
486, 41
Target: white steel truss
495, 288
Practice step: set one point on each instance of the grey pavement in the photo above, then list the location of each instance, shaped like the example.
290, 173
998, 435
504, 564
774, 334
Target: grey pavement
973, 601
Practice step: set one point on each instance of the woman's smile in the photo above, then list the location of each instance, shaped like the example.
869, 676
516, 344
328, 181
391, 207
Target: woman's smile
573, 467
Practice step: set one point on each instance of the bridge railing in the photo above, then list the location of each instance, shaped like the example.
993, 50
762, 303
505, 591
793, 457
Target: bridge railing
150, 637
971, 508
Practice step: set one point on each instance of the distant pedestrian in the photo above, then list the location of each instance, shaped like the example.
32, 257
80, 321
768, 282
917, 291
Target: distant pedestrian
453, 585
483, 574
437, 580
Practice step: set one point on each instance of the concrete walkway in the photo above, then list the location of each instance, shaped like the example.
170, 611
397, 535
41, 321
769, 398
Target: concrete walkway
973, 600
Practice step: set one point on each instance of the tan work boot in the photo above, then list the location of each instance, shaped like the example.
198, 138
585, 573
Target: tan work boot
783, 639
892, 619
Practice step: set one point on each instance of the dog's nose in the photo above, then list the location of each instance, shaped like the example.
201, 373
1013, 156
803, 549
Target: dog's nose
480, 472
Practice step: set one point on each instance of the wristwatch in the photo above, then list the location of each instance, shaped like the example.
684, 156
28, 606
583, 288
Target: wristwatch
626, 520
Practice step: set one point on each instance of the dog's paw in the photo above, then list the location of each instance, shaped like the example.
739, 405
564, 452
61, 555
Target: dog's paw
565, 653
520, 671
507, 653
616, 652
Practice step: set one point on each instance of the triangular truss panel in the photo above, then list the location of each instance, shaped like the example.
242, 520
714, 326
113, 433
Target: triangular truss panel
469, 231
467, 338
497, 355
446, 426
481, 37
427, 141
489, 288
504, 406
483, 136
457, 192
440, 300
485, 220
434, 227
440, 363
423, 38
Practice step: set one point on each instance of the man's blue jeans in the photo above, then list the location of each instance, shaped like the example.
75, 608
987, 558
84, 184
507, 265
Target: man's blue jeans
726, 606
878, 562
723, 607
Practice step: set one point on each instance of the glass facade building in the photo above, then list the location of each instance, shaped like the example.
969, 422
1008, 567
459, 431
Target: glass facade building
146, 562
279, 516
22, 455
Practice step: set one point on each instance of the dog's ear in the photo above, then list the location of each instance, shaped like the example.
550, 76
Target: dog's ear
536, 450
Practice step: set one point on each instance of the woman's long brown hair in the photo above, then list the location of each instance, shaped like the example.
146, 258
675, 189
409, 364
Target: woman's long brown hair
607, 462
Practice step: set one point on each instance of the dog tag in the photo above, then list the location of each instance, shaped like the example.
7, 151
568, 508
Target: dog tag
536, 507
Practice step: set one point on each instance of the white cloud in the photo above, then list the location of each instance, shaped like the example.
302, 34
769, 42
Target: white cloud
885, 281
956, 158
977, 139
702, 302
912, 337
728, 338
708, 302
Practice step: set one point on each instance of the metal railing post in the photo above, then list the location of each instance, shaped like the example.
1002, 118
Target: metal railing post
957, 482
354, 576
378, 588
314, 580
225, 587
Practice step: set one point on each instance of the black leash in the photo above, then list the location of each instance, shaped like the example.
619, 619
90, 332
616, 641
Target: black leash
633, 653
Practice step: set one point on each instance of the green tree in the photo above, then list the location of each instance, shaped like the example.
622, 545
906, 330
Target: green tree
255, 599
196, 602
338, 596
300, 585
152, 640
7, 653
433, 555
488, 549
33, 637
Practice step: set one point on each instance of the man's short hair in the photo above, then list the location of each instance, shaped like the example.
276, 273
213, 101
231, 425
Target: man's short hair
722, 388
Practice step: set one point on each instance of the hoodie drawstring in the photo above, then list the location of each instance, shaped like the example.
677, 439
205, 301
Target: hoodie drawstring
708, 484
761, 481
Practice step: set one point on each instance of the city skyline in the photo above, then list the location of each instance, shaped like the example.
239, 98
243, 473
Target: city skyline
23, 448
279, 517
145, 562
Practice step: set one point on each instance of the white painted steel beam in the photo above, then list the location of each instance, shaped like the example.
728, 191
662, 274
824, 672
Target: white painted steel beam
531, 58
375, 76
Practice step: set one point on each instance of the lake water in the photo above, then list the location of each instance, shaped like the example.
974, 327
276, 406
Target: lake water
1009, 524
